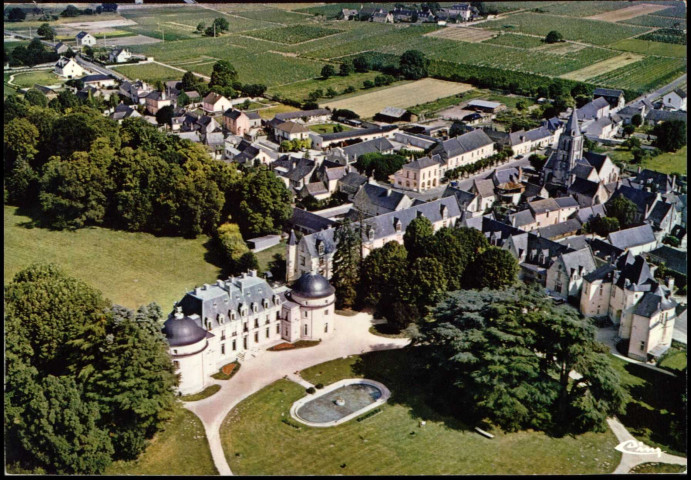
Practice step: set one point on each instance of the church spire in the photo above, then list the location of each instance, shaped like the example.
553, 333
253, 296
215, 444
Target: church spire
572, 125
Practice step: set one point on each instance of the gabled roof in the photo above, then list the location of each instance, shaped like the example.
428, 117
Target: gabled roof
570, 226
507, 175
584, 187
632, 237
316, 188
604, 273
582, 257
393, 112
463, 197
665, 115
662, 181
213, 97
522, 218
96, 78
423, 162
233, 114
543, 206
660, 212
586, 214
302, 113
385, 225
590, 109
291, 127
82, 34
353, 179
639, 197
464, 143
674, 258
381, 144
484, 188
653, 303
309, 221
357, 132
253, 115
681, 93
607, 92
566, 202
597, 160
377, 196
577, 242
604, 250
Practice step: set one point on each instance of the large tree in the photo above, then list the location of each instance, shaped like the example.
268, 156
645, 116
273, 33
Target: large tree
515, 358
623, 209
417, 237
382, 269
346, 265
223, 75
414, 65
670, 135
494, 268
231, 243
456, 248
263, 201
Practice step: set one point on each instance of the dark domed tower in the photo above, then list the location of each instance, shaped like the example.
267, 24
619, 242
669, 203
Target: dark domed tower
309, 314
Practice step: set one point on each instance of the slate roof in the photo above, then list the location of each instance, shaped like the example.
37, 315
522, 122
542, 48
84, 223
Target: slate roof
353, 179
590, 109
253, 115
484, 188
632, 237
96, 78
586, 214
484, 104
495, 231
316, 188
522, 218
423, 162
505, 176
584, 187
543, 206
577, 242
607, 92
639, 197
384, 225
604, 273
582, 257
680, 92
213, 97
659, 212
582, 170
326, 237
300, 169
634, 273
232, 114
566, 202
597, 160
381, 144
462, 144
674, 258
377, 196
664, 116
309, 221
228, 296
572, 128
604, 250
662, 181
463, 197
570, 226
214, 138
62, 62
302, 113
552, 124
81, 35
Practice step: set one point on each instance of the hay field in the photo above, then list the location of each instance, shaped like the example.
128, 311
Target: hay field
402, 96
462, 34
600, 68
630, 12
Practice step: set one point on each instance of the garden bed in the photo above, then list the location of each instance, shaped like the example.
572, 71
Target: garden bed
292, 346
227, 372
206, 393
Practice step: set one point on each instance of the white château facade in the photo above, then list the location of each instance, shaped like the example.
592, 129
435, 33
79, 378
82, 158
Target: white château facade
217, 324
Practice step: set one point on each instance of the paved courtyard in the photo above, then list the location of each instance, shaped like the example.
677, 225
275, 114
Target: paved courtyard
351, 337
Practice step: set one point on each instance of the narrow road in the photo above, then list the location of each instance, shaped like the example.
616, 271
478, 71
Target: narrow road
351, 337
181, 70
98, 68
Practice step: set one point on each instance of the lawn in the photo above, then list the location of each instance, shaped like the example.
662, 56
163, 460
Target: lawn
327, 128
594, 32
253, 435
651, 48
180, 449
149, 72
206, 393
675, 358
269, 113
131, 269
649, 415
42, 77
300, 90
7, 89
266, 256
668, 162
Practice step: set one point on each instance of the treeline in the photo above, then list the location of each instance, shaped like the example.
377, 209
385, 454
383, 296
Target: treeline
78, 168
32, 54
224, 81
401, 282
86, 382
465, 170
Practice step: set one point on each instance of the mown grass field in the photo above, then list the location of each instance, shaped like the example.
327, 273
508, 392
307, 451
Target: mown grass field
266, 256
675, 358
577, 29
180, 449
327, 128
268, 113
669, 162
403, 96
253, 434
42, 77
600, 68
149, 72
651, 48
131, 269
629, 12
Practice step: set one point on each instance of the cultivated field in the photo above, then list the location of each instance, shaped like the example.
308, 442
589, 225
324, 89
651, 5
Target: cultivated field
651, 48
601, 68
293, 34
462, 34
657, 21
647, 74
576, 29
519, 41
99, 25
132, 40
422, 91
582, 9
629, 12
300, 90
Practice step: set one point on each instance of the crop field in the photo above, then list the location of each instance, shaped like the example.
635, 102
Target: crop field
462, 34
576, 29
403, 96
657, 21
646, 74
601, 68
149, 72
276, 15
582, 9
678, 10
514, 40
629, 12
293, 34
503, 7
651, 48
300, 90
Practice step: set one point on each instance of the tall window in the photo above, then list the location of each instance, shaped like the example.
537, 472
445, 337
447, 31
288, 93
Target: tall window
176, 364
278, 328
235, 345
326, 328
223, 349
642, 345
267, 332
305, 329
256, 337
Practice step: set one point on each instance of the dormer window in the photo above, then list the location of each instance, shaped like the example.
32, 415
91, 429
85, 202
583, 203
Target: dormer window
397, 224
265, 303
255, 308
444, 212
370, 233
320, 248
277, 300
231, 314
221, 318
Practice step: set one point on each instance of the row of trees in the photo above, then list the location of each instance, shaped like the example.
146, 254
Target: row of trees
379, 164
32, 54
81, 168
86, 382
401, 282
465, 170
218, 26
224, 81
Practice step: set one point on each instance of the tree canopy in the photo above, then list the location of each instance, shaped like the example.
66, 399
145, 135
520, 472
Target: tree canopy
515, 359
346, 265
671, 135
623, 209
414, 65
554, 37
417, 237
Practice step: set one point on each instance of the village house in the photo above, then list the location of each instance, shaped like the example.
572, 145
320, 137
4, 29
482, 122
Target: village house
639, 305
61, 48
508, 184
99, 81
394, 114
465, 149
215, 103
419, 175
614, 97
136, 91
85, 39
48, 92
565, 276
157, 100
373, 199
319, 115
119, 55
350, 154
123, 111
468, 202
214, 325
236, 121
68, 68
340, 139
290, 131
675, 100
635, 239
593, 110
484, 189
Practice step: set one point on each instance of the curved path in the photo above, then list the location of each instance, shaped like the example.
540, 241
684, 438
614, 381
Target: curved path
630, 460
351, 337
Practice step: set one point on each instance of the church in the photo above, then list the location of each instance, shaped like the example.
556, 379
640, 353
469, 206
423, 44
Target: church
583, 175
214, 325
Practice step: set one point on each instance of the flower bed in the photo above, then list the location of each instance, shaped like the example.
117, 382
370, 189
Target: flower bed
281, 346
227, 371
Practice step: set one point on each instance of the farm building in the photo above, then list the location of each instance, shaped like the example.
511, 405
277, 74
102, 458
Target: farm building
395, 114
119, 55
352, 136
262, 243
48, 92
99, 80
290, 131
484, 106
318, 115
61, 48
675, 100
615, 98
